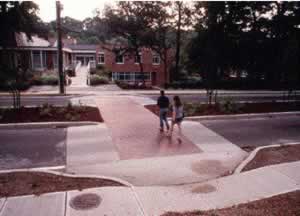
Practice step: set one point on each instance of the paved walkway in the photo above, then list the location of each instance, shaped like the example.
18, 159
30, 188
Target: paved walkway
154, 201
142, 149
135, 131
223, 192
114, 201
80, 79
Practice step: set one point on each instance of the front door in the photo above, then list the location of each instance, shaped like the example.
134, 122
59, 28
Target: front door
153, 78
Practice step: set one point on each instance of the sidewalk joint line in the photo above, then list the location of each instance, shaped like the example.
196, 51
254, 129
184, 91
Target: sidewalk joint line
138, 200
4, 203
66, 203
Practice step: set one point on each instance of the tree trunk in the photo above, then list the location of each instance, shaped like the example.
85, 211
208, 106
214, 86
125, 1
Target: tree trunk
166, 67
178, 42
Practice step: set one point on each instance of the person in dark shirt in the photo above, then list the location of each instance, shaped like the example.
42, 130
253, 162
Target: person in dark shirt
163, 104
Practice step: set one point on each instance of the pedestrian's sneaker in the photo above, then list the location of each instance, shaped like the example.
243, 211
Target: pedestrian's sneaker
179, 140
161, 130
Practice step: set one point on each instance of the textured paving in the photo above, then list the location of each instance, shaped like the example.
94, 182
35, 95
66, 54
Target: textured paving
135, 131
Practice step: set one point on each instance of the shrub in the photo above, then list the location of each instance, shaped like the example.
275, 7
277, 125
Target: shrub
45, 80
229, 106
70, 71
102, 71
185, 84
98, 80
125, 85
100, 66
46, 110
49, 80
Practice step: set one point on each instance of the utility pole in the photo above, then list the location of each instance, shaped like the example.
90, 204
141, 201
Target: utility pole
59, 49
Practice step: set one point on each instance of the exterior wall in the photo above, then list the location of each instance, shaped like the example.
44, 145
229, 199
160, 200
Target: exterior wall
157, 70
84, 57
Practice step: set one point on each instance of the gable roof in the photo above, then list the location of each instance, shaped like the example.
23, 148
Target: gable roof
90, 47
35, 41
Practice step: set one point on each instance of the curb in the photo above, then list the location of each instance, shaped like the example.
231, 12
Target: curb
255, 152
46, 125
67, 175
243, 116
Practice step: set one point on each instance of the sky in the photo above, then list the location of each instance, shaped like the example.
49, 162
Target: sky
72, 8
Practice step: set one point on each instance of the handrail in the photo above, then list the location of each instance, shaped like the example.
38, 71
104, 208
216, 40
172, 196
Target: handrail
77, 65
88, 79
91, 65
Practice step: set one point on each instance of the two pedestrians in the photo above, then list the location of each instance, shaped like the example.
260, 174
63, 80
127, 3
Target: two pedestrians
177, 112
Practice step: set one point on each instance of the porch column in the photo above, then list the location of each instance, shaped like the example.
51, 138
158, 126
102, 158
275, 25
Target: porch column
31, 54
41, 59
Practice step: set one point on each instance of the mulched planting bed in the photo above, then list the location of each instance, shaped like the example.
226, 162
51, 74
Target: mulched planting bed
26, 183
197, 109
50, 114
282, 205
274, 155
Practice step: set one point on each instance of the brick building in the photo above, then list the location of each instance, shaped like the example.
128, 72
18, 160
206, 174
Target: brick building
40, 54
127, 67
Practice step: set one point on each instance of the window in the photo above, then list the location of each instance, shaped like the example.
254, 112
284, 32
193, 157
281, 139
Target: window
131, 76
156, 59
44, 59
142, 76
55, 60
100, 58
36, 55
119, 59
138, 58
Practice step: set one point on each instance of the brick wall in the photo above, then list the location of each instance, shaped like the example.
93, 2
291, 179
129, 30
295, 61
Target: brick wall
129, 64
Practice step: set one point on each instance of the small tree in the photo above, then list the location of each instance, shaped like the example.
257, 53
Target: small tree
130, 21
16, 17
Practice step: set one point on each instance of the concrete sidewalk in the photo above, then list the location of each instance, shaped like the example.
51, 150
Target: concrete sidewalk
154, 200
142, 149
114, 201
223, 192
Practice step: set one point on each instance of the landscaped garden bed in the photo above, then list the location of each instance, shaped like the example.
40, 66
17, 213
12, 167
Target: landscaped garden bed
274, 155
48, 113
26, 183
133, 86
198, 109
285, 204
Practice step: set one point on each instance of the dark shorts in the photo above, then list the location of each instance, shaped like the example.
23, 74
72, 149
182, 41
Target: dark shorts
178, 120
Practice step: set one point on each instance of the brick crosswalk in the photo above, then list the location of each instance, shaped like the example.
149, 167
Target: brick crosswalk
135, 131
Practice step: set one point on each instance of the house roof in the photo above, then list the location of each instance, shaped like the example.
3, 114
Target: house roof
90, 47
23, 41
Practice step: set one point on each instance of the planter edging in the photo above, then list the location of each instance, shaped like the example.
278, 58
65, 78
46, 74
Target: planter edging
47, 124
242, 116
255, 152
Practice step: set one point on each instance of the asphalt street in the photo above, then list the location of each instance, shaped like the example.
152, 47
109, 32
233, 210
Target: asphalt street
234, 97
30, 148
64, 100
259, 131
